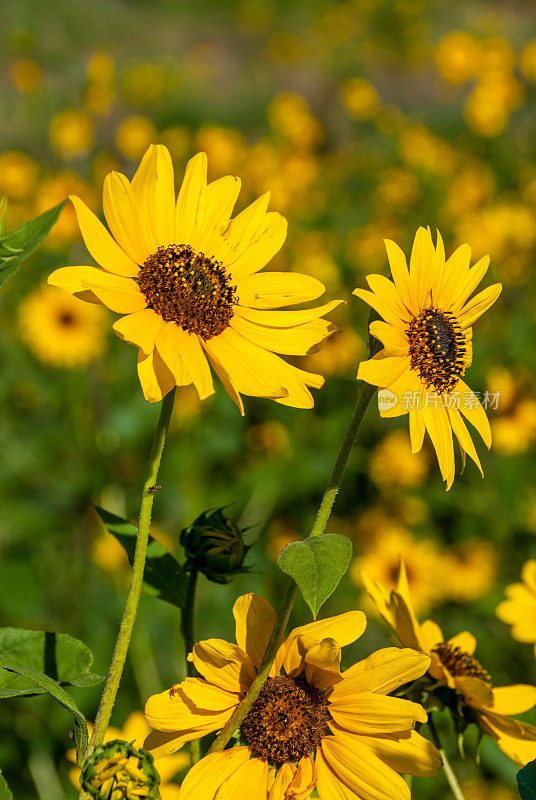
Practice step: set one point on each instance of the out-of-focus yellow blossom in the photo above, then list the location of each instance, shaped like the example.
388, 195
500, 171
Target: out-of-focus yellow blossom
479, 789
519, 609
527, 62
360, 98
255, 14
488, 109
339, 353
285, 47
187, 406
100, 83
102, 163
364, 246
497, 55
177, 140
71, 134
61, 330
337, 24
424, 565
514, 433
225, 148
398, 189
26, 75
471, 568
144, 83
98, 99
101, 68
470, 188
313, 252
280, 533
421, 149
393, 464
135, 731
457, 57
108, 554
134, 136
52, 191
270, 437
290, 117
18, 175
500, 380
291, 182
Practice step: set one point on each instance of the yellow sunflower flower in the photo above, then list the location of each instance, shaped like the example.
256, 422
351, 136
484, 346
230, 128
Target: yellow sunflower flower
519, 609
61, 330
454, 666
185, 277
311, 724
134, 731
427, 334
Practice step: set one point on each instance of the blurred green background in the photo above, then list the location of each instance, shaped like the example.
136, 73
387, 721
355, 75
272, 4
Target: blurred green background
366, 119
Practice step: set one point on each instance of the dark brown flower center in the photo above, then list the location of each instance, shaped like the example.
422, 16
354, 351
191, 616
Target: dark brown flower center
460, 663
437, 347
287, 721
66, 318
188, 288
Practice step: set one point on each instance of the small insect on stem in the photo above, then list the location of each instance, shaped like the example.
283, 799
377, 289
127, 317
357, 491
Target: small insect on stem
153, 489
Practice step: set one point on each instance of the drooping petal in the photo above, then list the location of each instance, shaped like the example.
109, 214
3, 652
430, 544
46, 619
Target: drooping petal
382, 370
205, 778
478, 305
382, 672
140, 328
323, 664
462, 434
100, 244
440, 431
254, 618
465, 641
298, 340
266, 290
155, 378
371, 713
168, 712
408, 753
185, 358
344, 629
283, 779
223, 664
514, 699
70, 280
118, 293
472, 409
417, 430
394, 340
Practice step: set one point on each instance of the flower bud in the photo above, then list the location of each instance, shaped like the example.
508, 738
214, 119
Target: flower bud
118, 771
215, 546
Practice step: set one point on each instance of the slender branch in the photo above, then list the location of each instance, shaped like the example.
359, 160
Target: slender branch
366, 393
136, 578
449, 772
187, 631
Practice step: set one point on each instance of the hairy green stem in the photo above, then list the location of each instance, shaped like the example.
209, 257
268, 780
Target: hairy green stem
136, 578
366, 393
187, 631
449, 772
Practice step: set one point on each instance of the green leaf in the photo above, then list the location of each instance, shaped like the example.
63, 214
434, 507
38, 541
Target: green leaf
21, 243
164, 577
317, 565
53, 688
5, 793
58, 655
526, 781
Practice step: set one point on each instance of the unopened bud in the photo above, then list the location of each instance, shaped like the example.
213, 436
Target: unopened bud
215, 546
119, 771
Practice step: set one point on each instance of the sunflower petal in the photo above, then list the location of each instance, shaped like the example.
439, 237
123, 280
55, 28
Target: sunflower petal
478, 305
383, 287
476, 273
155, 378
70, 280
119, 207
465, 641
514, 699
408, 753
275, 289
344, 629
262, 249
417, 430
380, 305
394, 340
192, 200
383, 370
255, 618
100, 244
299, 340
400, 273
286, 319
440, 431
222, 195
373, 713
223, 664
164, 200
382, 672
118, 293
474, 412
464, 439
140, 328
422, 268
168, 343
205, 778
144, 189
250, 780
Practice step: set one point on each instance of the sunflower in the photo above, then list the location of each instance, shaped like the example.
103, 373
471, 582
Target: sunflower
134, 731
311, 725
426, 332
184, 275
454, 666
61, 330
519, 609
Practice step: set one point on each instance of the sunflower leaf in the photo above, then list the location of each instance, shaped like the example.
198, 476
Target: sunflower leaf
317, 565
163, 577
5, 793
21, 243
526, 781
57, 655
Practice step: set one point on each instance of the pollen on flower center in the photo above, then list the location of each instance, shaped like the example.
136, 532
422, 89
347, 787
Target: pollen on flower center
437, 347
186, 287
460, 663
287, 721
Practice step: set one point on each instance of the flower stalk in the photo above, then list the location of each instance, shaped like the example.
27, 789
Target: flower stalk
136, 579
450, 775
366, 392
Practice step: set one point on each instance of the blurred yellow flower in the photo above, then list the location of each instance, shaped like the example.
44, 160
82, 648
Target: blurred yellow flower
71, 134
480, 789
515, 431
270, 437
290, 117
424, 563
134, 136
144, 83
280, 533
428, 313
55, 188
398, 189
497, 55
187, 286
421, 149
61, 330
470, 188
457, 57
108, 554
26, 75
527, 62
225, 147
339, 353
135, 731
360, 98
101, 68
471, 567
519, 609
393, 464
18, 175
177, 140
485, 114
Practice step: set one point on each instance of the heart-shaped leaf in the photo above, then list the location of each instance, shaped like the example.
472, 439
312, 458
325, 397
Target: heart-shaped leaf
164, 577
58, 655
46, 684
21, 243
526, 781
317, 565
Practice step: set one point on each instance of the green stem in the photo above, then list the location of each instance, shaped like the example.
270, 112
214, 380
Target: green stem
366, 393
449, 772
136, 579
187, 631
